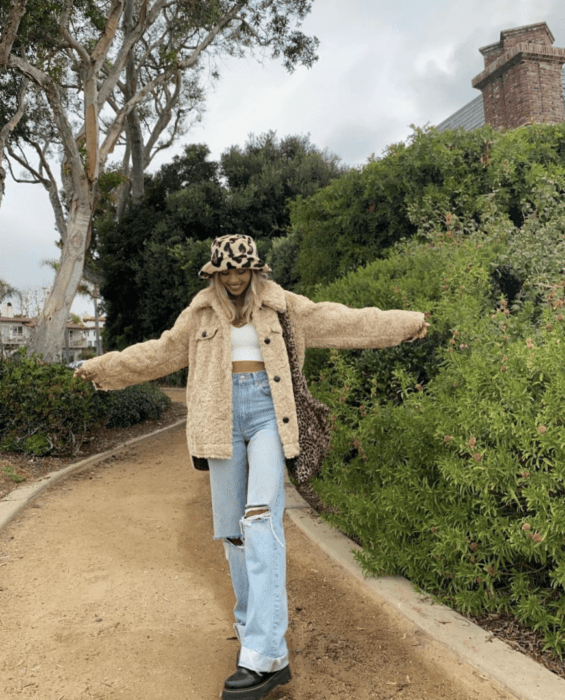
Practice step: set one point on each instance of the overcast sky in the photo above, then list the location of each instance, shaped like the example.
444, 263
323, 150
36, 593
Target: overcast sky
382, 67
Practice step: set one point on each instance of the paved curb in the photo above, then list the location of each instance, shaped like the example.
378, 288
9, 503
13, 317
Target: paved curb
12, 504
491, 657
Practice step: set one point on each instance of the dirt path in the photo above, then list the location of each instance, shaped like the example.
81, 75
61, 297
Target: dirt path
111, 587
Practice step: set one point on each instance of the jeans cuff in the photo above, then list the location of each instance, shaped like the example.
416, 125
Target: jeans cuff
261, 664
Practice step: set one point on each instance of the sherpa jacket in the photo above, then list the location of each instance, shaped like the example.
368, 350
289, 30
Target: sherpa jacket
201, 340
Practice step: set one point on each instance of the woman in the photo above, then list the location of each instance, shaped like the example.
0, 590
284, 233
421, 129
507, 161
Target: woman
242, 419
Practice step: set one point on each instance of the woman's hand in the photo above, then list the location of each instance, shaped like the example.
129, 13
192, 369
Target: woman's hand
84, 373
89, 375
422, 332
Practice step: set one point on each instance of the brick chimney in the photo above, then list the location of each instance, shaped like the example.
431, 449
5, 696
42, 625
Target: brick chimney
521, 82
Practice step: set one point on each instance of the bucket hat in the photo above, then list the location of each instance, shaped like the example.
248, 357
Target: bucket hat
233, 252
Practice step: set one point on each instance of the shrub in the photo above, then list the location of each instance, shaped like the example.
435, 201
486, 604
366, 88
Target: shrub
457, 173
43, 408
534, 257
133, 405
456, 481
282, 260
448, 277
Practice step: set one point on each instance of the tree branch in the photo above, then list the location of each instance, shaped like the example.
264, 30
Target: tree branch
110, 29
144, 20
166, 144
10, 125
113, 134
39, 179
92, 276
53, 190
10, 32
67, 36
48, 182
165, 115
14, 178
51, 91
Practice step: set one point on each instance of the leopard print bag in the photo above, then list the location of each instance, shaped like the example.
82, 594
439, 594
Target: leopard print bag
313, 426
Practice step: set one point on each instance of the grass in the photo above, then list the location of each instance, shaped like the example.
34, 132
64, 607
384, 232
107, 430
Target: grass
9, 471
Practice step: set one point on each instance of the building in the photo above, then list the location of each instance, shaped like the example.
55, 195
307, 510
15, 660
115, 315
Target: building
15, 332
89, 324
75, 342
522, 83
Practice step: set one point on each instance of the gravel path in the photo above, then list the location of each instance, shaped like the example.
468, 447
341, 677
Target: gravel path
112, 587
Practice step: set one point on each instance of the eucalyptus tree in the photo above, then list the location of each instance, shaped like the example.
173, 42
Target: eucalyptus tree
12, 13
11, 111
131, 74
11, 114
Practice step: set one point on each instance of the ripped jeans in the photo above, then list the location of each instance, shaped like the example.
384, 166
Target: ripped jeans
248, 508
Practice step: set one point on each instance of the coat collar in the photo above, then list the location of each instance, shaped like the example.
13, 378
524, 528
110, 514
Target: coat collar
272, 296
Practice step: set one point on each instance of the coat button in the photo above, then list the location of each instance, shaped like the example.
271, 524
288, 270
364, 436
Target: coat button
267, 341
204, 334
277, 379
286, 419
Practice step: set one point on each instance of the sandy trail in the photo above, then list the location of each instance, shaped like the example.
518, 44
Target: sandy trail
112, 587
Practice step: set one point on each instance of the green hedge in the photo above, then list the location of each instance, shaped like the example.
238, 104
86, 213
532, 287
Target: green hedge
133, 405
45, 410
448, 454
362, 213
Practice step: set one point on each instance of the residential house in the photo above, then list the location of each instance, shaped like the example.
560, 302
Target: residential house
75, 342
15, 332
89, 323
522, 82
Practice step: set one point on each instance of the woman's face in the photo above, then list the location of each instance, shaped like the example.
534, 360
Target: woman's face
235, 281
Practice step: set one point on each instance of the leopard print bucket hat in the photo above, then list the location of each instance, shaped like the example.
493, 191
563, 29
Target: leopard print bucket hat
233, 252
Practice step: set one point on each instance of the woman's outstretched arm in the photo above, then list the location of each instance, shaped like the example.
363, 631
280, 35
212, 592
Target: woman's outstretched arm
327, 324
141, 362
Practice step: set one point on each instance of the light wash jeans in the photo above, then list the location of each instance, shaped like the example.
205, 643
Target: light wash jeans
253, 479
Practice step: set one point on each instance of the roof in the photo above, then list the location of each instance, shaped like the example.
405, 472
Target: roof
14, 319
472, 115
33, 322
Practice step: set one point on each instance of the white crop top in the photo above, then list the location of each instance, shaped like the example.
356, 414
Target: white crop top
245, 344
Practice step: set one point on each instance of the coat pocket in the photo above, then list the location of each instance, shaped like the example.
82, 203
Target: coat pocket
206, 349
206, 333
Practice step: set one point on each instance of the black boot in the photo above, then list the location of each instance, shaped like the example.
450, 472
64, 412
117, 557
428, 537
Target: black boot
250, 685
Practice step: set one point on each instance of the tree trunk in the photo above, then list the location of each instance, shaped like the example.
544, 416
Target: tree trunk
48, 335
67, 353
135, 134
10, 30
137, 161
97, 323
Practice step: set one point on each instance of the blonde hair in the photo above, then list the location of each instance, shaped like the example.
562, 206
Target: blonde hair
252, 296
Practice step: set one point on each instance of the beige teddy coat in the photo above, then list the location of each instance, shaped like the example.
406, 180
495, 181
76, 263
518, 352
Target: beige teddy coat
201, 340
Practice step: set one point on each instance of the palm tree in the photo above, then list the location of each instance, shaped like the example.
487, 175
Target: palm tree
6, 291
